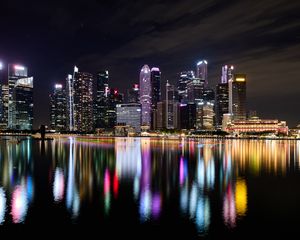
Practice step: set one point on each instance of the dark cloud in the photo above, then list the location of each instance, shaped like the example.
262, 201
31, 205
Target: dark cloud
261, 38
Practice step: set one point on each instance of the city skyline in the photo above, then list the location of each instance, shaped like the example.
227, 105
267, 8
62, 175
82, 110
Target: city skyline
264, 46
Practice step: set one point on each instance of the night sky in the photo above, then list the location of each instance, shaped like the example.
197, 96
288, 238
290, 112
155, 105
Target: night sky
261, 38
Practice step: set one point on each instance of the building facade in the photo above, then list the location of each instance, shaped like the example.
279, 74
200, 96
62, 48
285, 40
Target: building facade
238, 97
58, 108
129, 115
102, 80
222, 102
202, 71
83, 102
145, 95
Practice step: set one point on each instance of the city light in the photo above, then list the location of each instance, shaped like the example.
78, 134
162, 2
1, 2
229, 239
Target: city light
58, 86
18, 67
1, 65
240, 80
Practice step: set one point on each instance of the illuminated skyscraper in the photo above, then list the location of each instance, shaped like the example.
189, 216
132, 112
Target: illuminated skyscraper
155, 86
222, 101
129, 114
184, 78
237, 96
202, 71
22, 97
227, 73
15, 72
83, 102
114, 98
145, 95
195, 89
205, 115
4, 97
1, 96
101, 98
171, 107
58, 108
70, 100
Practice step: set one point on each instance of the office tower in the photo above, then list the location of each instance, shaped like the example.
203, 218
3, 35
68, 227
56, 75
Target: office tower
83, 101
133, 94
195, 89
227, 73
1, 97
184, 78
155, 86
101, 98
130, 115
209, 95
114, 98
58, 108
145, 95
15, 72
4, 96
70, 100
205, 115
171, 107
187, 116
222, 101
22, 97
237, 96
202, 71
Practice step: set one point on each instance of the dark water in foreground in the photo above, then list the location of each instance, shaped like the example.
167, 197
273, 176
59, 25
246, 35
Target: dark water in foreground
198, 189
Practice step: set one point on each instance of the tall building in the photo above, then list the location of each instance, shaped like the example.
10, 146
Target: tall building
101, 98
155, 86
222, 102
1, 97
145, 95
237, 97
58, 108
22, 97
70, 100
202, 71
83, 101
114, 98
4, 98
195, 89
171, 107
187, 116
227, 73
133, 94
15, 72
130, 115
184, 78
205, 115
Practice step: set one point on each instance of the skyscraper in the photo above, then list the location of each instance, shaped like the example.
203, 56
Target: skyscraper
237, 96
202, 71
171, 107
227, 73
101, 98
70, 100
58, 108
184, 78
187, 116
205, 115
114, 98
83, 101
155, 86
15, 72
22, 97
222, 101
145, 95
195, 89
1, 97
4, 95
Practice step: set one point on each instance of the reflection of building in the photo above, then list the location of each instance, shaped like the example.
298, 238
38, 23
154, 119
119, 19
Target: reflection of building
129, 114
58, 108
256, 125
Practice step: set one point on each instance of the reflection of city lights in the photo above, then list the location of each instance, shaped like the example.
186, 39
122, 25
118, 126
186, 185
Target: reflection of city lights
156, 205
241, 197
116, 185
106, 190
145, 205
229, 212
58, 185
19, 204
202, 215
2, 205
